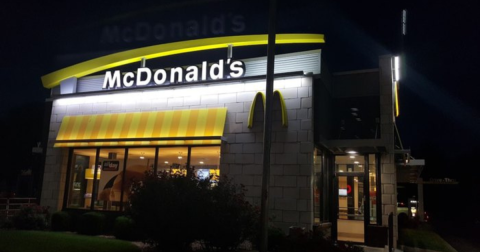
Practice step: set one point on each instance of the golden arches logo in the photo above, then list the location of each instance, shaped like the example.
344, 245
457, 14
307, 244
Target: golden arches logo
261, 96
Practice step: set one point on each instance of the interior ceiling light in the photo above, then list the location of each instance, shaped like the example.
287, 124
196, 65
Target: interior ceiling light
352, 156
351, 152
354, 114
141, 156
180, 155
201, 162
358, 119
166, 162
356, 162
354, 109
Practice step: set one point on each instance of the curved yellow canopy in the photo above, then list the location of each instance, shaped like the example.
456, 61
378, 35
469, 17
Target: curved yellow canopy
126, 57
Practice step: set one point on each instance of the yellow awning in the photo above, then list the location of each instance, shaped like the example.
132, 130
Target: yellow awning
175, 127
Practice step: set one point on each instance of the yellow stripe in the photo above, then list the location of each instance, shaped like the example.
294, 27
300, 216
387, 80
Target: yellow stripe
63, 128
131, 56
117, 131
102, 131
149, 127
219, 122
132, 132
165, 124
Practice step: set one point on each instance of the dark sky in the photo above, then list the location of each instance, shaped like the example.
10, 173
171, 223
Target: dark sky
440, 112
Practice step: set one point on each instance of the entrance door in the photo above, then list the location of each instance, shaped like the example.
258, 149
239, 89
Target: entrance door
350, 211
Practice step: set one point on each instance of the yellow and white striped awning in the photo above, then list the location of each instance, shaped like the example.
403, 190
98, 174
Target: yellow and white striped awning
176, 127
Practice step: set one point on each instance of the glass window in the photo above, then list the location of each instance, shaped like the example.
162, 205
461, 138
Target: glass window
372, 177
205, 162
109, 179
317, 166
139, 161
350, 163
172, 159
81, 178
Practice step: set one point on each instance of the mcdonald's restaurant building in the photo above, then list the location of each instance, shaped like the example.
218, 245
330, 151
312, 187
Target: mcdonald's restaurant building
332, 146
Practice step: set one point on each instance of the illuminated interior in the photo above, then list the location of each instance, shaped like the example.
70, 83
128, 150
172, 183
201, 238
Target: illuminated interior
110, 188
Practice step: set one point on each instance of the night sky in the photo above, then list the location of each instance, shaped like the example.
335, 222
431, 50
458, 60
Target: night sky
440, 111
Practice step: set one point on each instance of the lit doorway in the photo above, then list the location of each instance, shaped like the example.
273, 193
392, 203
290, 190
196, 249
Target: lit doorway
351, 210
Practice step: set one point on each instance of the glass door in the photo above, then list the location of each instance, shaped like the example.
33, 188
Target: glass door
350, 210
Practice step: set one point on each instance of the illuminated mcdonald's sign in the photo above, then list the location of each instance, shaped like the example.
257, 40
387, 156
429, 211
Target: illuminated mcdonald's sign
156, 51
261, 96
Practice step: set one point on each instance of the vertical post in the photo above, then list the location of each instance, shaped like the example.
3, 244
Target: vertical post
421, 210
390, 232
267, 131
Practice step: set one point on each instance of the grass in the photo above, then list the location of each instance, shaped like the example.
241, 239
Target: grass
42, 241
424, 239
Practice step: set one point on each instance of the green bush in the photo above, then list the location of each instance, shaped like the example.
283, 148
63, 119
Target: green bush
91, 223
124, 228
174, 210
168, 209
61, 221
31, 217
231, 219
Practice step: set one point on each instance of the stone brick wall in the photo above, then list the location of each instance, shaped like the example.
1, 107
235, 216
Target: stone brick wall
292, 148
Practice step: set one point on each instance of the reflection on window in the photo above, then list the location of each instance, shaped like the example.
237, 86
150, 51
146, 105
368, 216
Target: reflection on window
81, 178
173, 160
110, 179
317, 166
350, 163
373, 188
205, 162
113, 181
139, 161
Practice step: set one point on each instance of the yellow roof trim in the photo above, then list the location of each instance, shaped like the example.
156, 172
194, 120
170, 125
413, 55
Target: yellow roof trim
150, 52
178, 127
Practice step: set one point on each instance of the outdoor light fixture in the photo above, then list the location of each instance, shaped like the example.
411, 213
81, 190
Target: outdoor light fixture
396, 67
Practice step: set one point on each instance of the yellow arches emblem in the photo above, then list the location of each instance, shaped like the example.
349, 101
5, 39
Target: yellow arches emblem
150, 52
261, 96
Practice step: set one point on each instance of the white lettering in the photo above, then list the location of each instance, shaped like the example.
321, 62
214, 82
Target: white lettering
204, 70
216, 68
192, 74
112, 81
143, 75
147, 80
126, 81
179, 72
237, 69
163, 79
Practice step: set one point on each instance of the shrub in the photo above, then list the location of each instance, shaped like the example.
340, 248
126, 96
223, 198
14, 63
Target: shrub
231, 219
174, 210
124, 228
61, 221
168, 209
31, 217
91, 223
